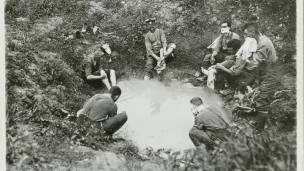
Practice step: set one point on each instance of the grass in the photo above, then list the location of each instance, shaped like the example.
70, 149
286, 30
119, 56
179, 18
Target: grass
43, 78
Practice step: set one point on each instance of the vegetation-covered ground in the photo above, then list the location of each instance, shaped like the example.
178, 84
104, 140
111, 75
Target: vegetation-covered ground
43, 79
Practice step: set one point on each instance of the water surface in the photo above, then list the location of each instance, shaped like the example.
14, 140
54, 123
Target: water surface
160, 116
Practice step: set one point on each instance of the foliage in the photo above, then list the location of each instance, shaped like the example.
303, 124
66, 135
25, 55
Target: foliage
112, 3
43, 73
37, 9
283, 111
267, 152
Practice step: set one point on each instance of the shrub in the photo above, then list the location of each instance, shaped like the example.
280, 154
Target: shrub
112, 4
268, 152
42, 77
36, 9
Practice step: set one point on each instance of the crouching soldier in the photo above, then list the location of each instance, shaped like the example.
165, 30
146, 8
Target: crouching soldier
209, 127
101, 109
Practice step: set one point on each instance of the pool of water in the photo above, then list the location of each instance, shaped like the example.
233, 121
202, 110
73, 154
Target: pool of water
160, 116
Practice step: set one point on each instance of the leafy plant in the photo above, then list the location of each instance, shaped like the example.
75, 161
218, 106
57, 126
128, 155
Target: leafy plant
43, 74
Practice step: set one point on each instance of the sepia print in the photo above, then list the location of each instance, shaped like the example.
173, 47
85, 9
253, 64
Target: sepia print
151, 85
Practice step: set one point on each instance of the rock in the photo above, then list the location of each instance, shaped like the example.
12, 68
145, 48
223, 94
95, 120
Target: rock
143, 157
23, 20
187, 85
101, 161
146, 166
164, 156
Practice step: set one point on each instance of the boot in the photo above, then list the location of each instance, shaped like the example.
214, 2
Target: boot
108, 138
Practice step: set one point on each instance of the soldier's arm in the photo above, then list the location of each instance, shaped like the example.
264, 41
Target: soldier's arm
163, 39
113, 111
89, 74
217, 47
149, 48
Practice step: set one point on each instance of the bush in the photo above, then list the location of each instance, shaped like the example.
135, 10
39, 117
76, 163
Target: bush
269, 152
112, 4
43, 72
37, 9
283, 111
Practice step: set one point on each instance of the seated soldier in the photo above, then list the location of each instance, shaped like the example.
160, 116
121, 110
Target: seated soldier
243, 73
209, 127
220, 50
101, 108
155, 41
222, 77
217, 78
94, 74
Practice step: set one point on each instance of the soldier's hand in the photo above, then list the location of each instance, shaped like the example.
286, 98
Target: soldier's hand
219, 66
212, 60
165, 51
162, 58
103, 74
204, 128
212, 67
159, 59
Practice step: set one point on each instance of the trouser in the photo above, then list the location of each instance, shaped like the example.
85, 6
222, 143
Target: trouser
207, 137
151, 61
268, 86
113, 124
222, 76
97, 83
237, 82
245, 78
217, 59
110, 126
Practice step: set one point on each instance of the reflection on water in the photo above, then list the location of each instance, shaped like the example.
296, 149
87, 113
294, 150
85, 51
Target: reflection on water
159, 116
